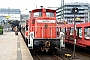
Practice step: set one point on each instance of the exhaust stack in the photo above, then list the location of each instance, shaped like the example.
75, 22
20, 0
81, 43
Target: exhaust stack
41, 7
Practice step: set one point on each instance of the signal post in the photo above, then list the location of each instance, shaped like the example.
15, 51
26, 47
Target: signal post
74, 11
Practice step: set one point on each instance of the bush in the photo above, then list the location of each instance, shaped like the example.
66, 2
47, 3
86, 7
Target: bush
1, 31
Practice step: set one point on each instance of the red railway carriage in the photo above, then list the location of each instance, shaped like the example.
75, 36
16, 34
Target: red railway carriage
41, 30
82, 34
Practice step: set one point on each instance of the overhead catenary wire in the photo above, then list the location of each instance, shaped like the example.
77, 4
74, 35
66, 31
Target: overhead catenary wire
33, 4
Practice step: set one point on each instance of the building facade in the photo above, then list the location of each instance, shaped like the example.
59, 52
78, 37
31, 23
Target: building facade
82, 14
10, 14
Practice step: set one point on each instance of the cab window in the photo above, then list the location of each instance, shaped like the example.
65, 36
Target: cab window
50, 14
37, 14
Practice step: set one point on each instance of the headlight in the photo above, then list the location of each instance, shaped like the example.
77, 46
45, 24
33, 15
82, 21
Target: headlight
36, 43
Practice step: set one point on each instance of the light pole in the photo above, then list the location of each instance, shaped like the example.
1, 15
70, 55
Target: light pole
21, 17
62, 9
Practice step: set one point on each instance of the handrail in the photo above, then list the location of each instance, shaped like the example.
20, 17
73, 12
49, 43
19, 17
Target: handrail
42, 32
51, 32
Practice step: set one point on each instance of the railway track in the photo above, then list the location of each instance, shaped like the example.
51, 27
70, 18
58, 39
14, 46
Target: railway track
46, 56
81, 53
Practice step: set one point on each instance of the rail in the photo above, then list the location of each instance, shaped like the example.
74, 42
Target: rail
46, 56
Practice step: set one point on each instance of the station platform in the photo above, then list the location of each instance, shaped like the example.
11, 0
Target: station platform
13, 47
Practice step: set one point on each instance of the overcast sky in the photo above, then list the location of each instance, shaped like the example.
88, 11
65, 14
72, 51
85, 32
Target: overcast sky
31, 4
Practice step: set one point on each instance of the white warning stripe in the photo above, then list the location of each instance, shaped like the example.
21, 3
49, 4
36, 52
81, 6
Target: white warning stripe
46, 21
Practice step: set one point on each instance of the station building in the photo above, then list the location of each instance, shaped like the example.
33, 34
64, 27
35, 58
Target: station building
9, 14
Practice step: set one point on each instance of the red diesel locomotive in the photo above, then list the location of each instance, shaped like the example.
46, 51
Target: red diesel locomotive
40, 30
